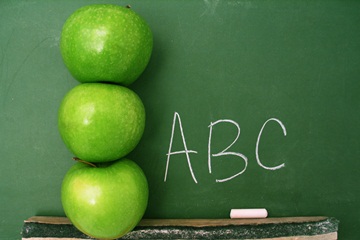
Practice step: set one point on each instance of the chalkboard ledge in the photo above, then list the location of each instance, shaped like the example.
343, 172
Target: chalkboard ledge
286, 228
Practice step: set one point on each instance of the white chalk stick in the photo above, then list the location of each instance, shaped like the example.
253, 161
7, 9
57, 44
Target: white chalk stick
249, 213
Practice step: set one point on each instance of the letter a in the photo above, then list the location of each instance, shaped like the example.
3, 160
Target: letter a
186, 151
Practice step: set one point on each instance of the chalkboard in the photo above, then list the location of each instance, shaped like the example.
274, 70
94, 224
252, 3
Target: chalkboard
249, 104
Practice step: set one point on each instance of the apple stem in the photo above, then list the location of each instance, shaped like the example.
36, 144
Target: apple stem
82, 161
128, 6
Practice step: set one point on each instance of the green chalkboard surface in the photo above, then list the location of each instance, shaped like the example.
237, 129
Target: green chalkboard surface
250, 104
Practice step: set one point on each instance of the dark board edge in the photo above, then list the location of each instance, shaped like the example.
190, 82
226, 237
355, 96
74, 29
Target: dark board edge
320, 227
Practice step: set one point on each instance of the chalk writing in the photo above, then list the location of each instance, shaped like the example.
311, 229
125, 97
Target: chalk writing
224, 152
186, 151
258, 141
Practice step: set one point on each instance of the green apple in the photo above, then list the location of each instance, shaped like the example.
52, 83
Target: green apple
106, 201
107, 43
101, 122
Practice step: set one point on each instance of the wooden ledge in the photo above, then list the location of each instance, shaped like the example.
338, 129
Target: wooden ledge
285, 228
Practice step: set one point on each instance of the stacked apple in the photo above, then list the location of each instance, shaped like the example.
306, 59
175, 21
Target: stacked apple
105, 47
